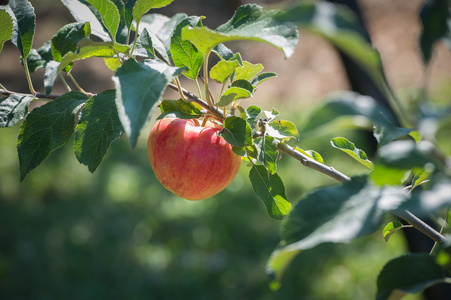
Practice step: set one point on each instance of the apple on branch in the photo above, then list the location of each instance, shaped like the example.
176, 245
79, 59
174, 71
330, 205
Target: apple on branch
190, 160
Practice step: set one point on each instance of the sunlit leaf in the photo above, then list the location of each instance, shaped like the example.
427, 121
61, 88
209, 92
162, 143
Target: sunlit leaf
263, 77
349, 148
67, 39
98, 127
6, 27
267, 152
248, 71
178, 109
239, 89
237, 132
312, 154
408, 274
89, 49
248, 23
224, 68
140, 7
139, 86
23, 30
391, 228
46, 129
184, 53
110, 15
282, 129
270, 189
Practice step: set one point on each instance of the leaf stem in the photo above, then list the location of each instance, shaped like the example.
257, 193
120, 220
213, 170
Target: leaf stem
207, 94
27, 72
136, 36
78, 86
64, 82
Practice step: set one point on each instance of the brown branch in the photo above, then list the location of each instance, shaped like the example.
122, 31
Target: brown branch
38, 95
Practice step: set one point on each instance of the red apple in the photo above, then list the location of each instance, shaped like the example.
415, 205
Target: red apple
191, 161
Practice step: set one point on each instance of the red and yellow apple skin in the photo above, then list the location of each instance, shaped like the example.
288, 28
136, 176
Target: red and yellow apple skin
191, 161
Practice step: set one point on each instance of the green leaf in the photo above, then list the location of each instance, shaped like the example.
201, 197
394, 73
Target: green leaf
252, 113
67, 38
46, 129
248, 71
239, 89
312, 154
282, 129
178, 109
270, 189
110, 15
122, 31
384, 134
336, 214
161, 29
435, 17
407, 154
391, 228
23, 32
37, 59
430, 200
6, 27
341, 27
143, 6
13, 109
144, 46
222, 70
383, 175
267, 152
237, 132
419, 177
362, 111
248, 23
408, 274
349, 148
89, 49
82, 14
184, 53
51, 72
263, 77
139, 86
98, 127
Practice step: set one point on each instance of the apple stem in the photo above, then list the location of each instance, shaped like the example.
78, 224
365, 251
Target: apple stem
204, 121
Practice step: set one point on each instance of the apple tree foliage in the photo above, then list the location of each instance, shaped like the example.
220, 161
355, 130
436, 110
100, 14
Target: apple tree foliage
409, 177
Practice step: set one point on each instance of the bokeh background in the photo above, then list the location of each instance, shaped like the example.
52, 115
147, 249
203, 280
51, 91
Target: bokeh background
118, 234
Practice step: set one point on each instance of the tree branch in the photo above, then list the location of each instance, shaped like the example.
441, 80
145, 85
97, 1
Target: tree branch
420, 225
38, 95
305, 160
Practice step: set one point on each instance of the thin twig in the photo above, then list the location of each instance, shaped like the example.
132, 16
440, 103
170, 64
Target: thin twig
38, 94
420, 225
311, 163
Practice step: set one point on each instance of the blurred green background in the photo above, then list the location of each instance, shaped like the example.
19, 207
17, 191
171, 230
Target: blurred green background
118, 234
